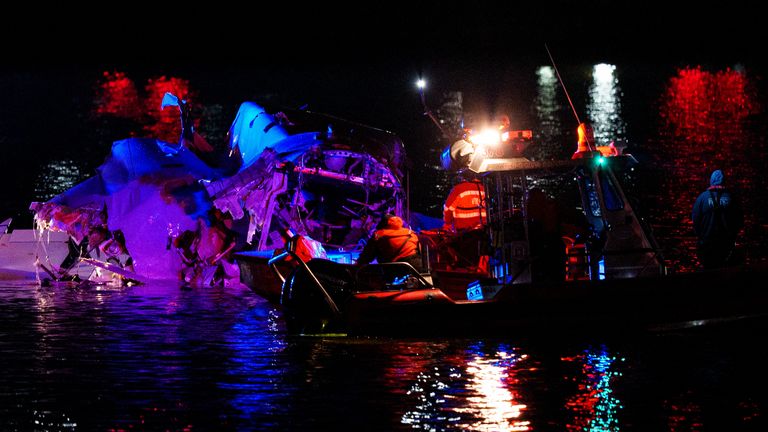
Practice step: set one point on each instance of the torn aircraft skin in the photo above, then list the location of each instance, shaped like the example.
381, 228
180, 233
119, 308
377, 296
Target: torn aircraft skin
178, 211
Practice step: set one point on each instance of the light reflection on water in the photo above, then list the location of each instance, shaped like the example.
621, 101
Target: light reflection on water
708, 120
56, 177
595, 407
604, 107
548, 112
164, 358
702, 120
479, 392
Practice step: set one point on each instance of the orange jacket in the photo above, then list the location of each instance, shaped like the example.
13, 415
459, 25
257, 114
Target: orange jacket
390, 244
465, 207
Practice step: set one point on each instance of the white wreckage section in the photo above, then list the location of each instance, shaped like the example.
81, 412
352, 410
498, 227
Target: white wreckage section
178, 211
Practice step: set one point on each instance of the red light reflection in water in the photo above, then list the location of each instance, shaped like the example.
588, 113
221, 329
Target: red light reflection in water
683, 416
704, 107
705, 125
117, 96
166, 125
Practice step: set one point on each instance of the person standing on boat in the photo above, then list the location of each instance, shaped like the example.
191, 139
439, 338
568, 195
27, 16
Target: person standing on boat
717, 220
464, 217
464, 207
392, 242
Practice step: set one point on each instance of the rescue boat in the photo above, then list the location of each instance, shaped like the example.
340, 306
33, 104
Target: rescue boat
610, 276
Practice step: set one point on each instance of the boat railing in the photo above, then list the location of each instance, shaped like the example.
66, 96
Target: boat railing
289, 252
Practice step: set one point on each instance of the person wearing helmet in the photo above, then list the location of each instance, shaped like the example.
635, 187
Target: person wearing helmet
392, 242
717, 220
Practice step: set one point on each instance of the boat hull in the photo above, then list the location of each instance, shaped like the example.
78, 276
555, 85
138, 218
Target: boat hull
572, 308
256, 274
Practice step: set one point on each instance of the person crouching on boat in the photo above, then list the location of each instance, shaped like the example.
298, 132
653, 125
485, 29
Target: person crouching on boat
392, 242
717, 220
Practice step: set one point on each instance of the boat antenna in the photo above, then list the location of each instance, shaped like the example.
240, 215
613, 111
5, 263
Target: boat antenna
421, 83
562, 84
565, 90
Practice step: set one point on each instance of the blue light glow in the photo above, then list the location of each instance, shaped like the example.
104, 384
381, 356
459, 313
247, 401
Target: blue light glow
343, 257
601, 269
595, 407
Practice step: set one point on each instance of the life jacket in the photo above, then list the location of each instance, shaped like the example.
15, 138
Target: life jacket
395, 245
391, 243
465, 206
306, 248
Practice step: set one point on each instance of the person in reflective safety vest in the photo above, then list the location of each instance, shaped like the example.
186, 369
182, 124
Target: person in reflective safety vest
465, 207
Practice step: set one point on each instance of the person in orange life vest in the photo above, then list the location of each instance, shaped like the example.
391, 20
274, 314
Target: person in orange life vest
465, 206
392, 242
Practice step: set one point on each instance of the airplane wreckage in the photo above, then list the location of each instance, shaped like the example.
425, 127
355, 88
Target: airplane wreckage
163, 211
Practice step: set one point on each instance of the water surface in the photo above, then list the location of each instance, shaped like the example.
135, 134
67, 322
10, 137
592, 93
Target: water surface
165, 358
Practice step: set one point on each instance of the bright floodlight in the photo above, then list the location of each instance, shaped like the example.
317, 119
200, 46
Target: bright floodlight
486, 137
421, 83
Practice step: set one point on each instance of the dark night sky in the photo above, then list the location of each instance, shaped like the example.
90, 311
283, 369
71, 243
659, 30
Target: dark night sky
325, 54
377, 32
357, 61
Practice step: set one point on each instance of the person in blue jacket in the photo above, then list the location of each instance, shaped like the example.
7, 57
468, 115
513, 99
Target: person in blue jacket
717, 220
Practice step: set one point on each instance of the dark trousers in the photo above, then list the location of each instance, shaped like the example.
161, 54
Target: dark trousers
715, 254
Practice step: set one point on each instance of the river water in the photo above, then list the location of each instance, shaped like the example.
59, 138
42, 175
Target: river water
165, 358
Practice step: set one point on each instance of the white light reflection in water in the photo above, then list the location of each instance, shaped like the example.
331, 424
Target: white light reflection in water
57, 176
604, 108
494, 404
481, 400
548, 112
